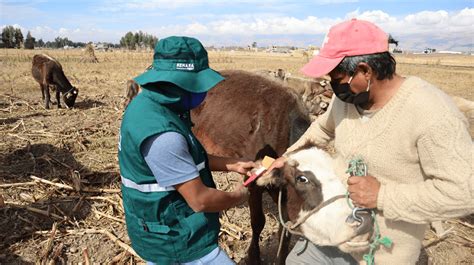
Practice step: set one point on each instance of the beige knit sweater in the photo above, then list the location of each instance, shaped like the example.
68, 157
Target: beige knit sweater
419, 148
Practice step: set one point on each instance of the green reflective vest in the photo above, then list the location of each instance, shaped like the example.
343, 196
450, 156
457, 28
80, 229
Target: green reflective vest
161, 226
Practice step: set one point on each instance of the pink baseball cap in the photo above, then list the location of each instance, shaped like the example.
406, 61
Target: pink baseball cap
349, 38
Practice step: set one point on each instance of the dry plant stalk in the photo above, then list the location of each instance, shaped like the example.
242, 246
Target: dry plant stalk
49, 244
67, 187
109, 216
87, 259
45, 213
12, 185
120, 258
111, 236
461, 223
120, 243
59, 185
439, 238
57, 251
76, 180
238, 237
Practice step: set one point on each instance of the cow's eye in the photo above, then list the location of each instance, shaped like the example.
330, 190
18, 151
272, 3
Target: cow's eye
302, 179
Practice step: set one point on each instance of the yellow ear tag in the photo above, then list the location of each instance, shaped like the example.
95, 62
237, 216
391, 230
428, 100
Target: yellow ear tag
267, 162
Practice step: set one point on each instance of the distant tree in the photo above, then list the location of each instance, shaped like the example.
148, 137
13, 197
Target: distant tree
29, 41
148, 40
39, 43
153, 42
8, 36
49, 44
140, 39
60, 42
254, 44
12, 37
57, 42
128, 41
79, 44
18, 38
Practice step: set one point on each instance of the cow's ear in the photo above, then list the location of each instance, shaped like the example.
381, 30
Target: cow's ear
272, 178
289, 171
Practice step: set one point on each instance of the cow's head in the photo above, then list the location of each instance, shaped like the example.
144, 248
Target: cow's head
70, 97
309, 175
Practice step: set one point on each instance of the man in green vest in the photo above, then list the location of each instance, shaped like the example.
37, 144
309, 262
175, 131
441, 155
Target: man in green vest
170, 199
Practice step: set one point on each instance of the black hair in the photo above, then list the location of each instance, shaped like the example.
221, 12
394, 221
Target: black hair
383, 64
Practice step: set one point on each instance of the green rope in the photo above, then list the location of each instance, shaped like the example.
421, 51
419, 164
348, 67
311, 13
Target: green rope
357, 167
376, 241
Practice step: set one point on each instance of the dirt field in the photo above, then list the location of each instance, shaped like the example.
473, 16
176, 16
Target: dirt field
76, 150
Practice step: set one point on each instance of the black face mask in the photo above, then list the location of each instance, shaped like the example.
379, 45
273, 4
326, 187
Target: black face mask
344, 93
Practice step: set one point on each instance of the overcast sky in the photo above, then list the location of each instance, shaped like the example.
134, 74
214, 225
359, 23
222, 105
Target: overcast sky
444, 25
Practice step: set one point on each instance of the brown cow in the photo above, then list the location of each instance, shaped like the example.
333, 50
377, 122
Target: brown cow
47, 71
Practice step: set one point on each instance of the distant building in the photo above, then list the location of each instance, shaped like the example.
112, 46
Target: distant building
397, 50
101, 47
450, 52
281, 49
429, 50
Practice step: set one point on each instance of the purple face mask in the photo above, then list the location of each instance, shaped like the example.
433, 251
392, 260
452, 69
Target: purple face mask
191, 100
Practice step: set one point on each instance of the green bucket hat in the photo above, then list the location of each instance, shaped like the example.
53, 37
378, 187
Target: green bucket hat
182, 61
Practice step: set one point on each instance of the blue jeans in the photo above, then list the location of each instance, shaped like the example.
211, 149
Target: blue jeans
306, 252
217, 256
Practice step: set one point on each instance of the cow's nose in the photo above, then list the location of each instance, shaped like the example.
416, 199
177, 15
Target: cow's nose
366, 224
362, 219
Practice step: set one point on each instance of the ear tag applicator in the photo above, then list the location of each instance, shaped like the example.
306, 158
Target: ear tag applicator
266, 163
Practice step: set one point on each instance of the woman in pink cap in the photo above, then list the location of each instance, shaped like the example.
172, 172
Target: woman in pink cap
410, 135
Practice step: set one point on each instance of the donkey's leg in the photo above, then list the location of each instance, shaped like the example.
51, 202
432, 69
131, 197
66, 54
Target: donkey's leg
45, 90
42, 92
257, 218
257, 221
58, 97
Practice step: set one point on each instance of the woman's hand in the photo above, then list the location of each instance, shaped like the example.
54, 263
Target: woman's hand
278, 163
364, 191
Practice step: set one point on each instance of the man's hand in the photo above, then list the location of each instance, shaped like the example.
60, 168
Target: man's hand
243, 193
364, 191
239, 165
242, 167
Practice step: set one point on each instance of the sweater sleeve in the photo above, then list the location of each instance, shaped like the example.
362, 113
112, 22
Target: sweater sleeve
446, 159
320, 132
